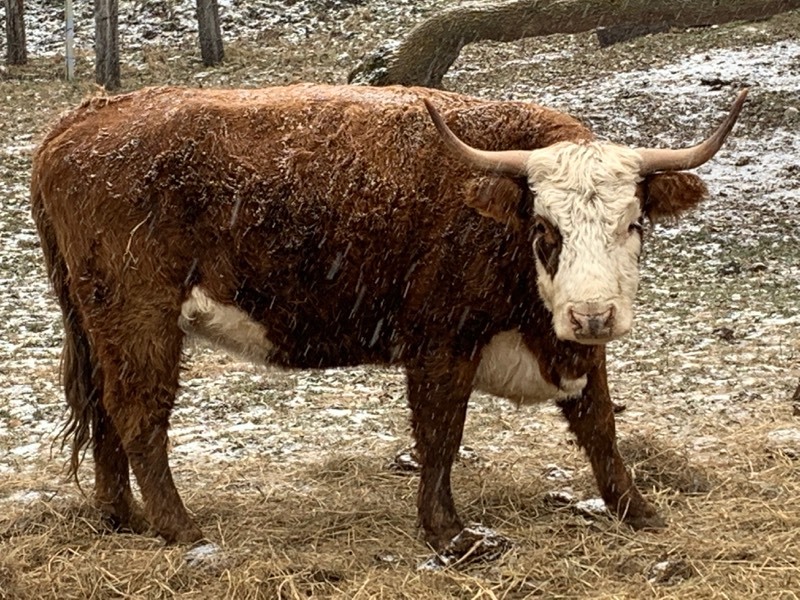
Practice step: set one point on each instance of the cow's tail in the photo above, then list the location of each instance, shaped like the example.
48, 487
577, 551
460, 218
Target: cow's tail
79, 375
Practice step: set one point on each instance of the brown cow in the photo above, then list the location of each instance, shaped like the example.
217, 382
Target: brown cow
323, 226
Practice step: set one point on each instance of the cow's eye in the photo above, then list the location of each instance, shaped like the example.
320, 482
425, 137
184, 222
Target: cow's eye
541, 227
634, 227
547, 245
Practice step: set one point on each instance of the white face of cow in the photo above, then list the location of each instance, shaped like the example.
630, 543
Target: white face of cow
588, 237
587, 219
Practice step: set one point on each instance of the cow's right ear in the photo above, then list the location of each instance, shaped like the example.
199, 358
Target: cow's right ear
498, 198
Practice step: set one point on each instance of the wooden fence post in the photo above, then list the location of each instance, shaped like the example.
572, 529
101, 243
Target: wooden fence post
69, 37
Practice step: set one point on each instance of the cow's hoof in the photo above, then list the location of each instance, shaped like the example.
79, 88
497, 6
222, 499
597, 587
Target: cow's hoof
137, 522
130, 520
650, 521
474, 543
189, 534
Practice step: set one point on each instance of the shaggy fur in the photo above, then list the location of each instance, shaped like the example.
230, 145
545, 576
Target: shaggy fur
325, 226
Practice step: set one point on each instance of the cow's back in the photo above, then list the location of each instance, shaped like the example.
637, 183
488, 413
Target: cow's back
328, 141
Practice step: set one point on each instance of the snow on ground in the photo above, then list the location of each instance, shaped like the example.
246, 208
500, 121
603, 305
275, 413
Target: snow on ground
733, 266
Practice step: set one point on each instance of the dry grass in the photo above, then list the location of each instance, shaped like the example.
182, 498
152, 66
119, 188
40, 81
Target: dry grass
343, 527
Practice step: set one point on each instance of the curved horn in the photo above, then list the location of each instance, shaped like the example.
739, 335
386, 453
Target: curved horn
505, 162
654, 159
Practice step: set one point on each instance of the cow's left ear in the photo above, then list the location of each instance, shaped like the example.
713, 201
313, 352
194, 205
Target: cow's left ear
498, 198
668, 195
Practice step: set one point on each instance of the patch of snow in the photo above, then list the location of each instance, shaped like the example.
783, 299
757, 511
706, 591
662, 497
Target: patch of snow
23, 497
560, 497
204, 555
786, 441
27, 450
474, 542
768, 66
556, 473
592, 507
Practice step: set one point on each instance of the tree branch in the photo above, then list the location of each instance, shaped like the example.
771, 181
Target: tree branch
433, 46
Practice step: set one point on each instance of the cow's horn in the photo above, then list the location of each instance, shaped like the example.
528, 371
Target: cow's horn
688, 158
505, 162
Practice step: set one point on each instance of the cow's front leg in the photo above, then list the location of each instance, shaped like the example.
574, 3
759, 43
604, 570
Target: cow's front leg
591, 419
438, 392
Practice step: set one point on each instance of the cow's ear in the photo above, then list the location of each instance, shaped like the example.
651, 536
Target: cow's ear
668, 195
498, 198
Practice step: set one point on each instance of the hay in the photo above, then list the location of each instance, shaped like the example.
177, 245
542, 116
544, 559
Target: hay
344, 527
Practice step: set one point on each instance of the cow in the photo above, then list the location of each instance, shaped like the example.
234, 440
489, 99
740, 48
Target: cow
315, 226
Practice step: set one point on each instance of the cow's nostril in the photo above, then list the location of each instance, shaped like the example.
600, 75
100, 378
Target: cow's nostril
592, 324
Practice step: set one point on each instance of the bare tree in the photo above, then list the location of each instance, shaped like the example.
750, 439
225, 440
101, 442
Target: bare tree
432, 47
16, 51
106, 44
210, 34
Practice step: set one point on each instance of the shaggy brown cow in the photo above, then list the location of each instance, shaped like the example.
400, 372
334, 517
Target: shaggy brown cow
317, 226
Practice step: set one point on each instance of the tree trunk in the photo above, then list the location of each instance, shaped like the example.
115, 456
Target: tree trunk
106, 43
432, 47
210, 34
16, 51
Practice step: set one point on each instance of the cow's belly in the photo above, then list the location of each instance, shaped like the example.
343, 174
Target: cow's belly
509, 370
225, 326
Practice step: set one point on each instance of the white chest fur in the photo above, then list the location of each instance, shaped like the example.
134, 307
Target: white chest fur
509, 370
224, 326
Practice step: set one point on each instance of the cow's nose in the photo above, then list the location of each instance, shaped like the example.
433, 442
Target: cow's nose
593, 325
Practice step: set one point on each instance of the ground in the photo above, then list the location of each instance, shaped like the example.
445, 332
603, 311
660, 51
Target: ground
290, 474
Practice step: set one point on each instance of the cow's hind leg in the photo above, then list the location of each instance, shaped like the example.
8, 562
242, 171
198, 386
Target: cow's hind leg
591, 419
112, 477
82, 378
140, 366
